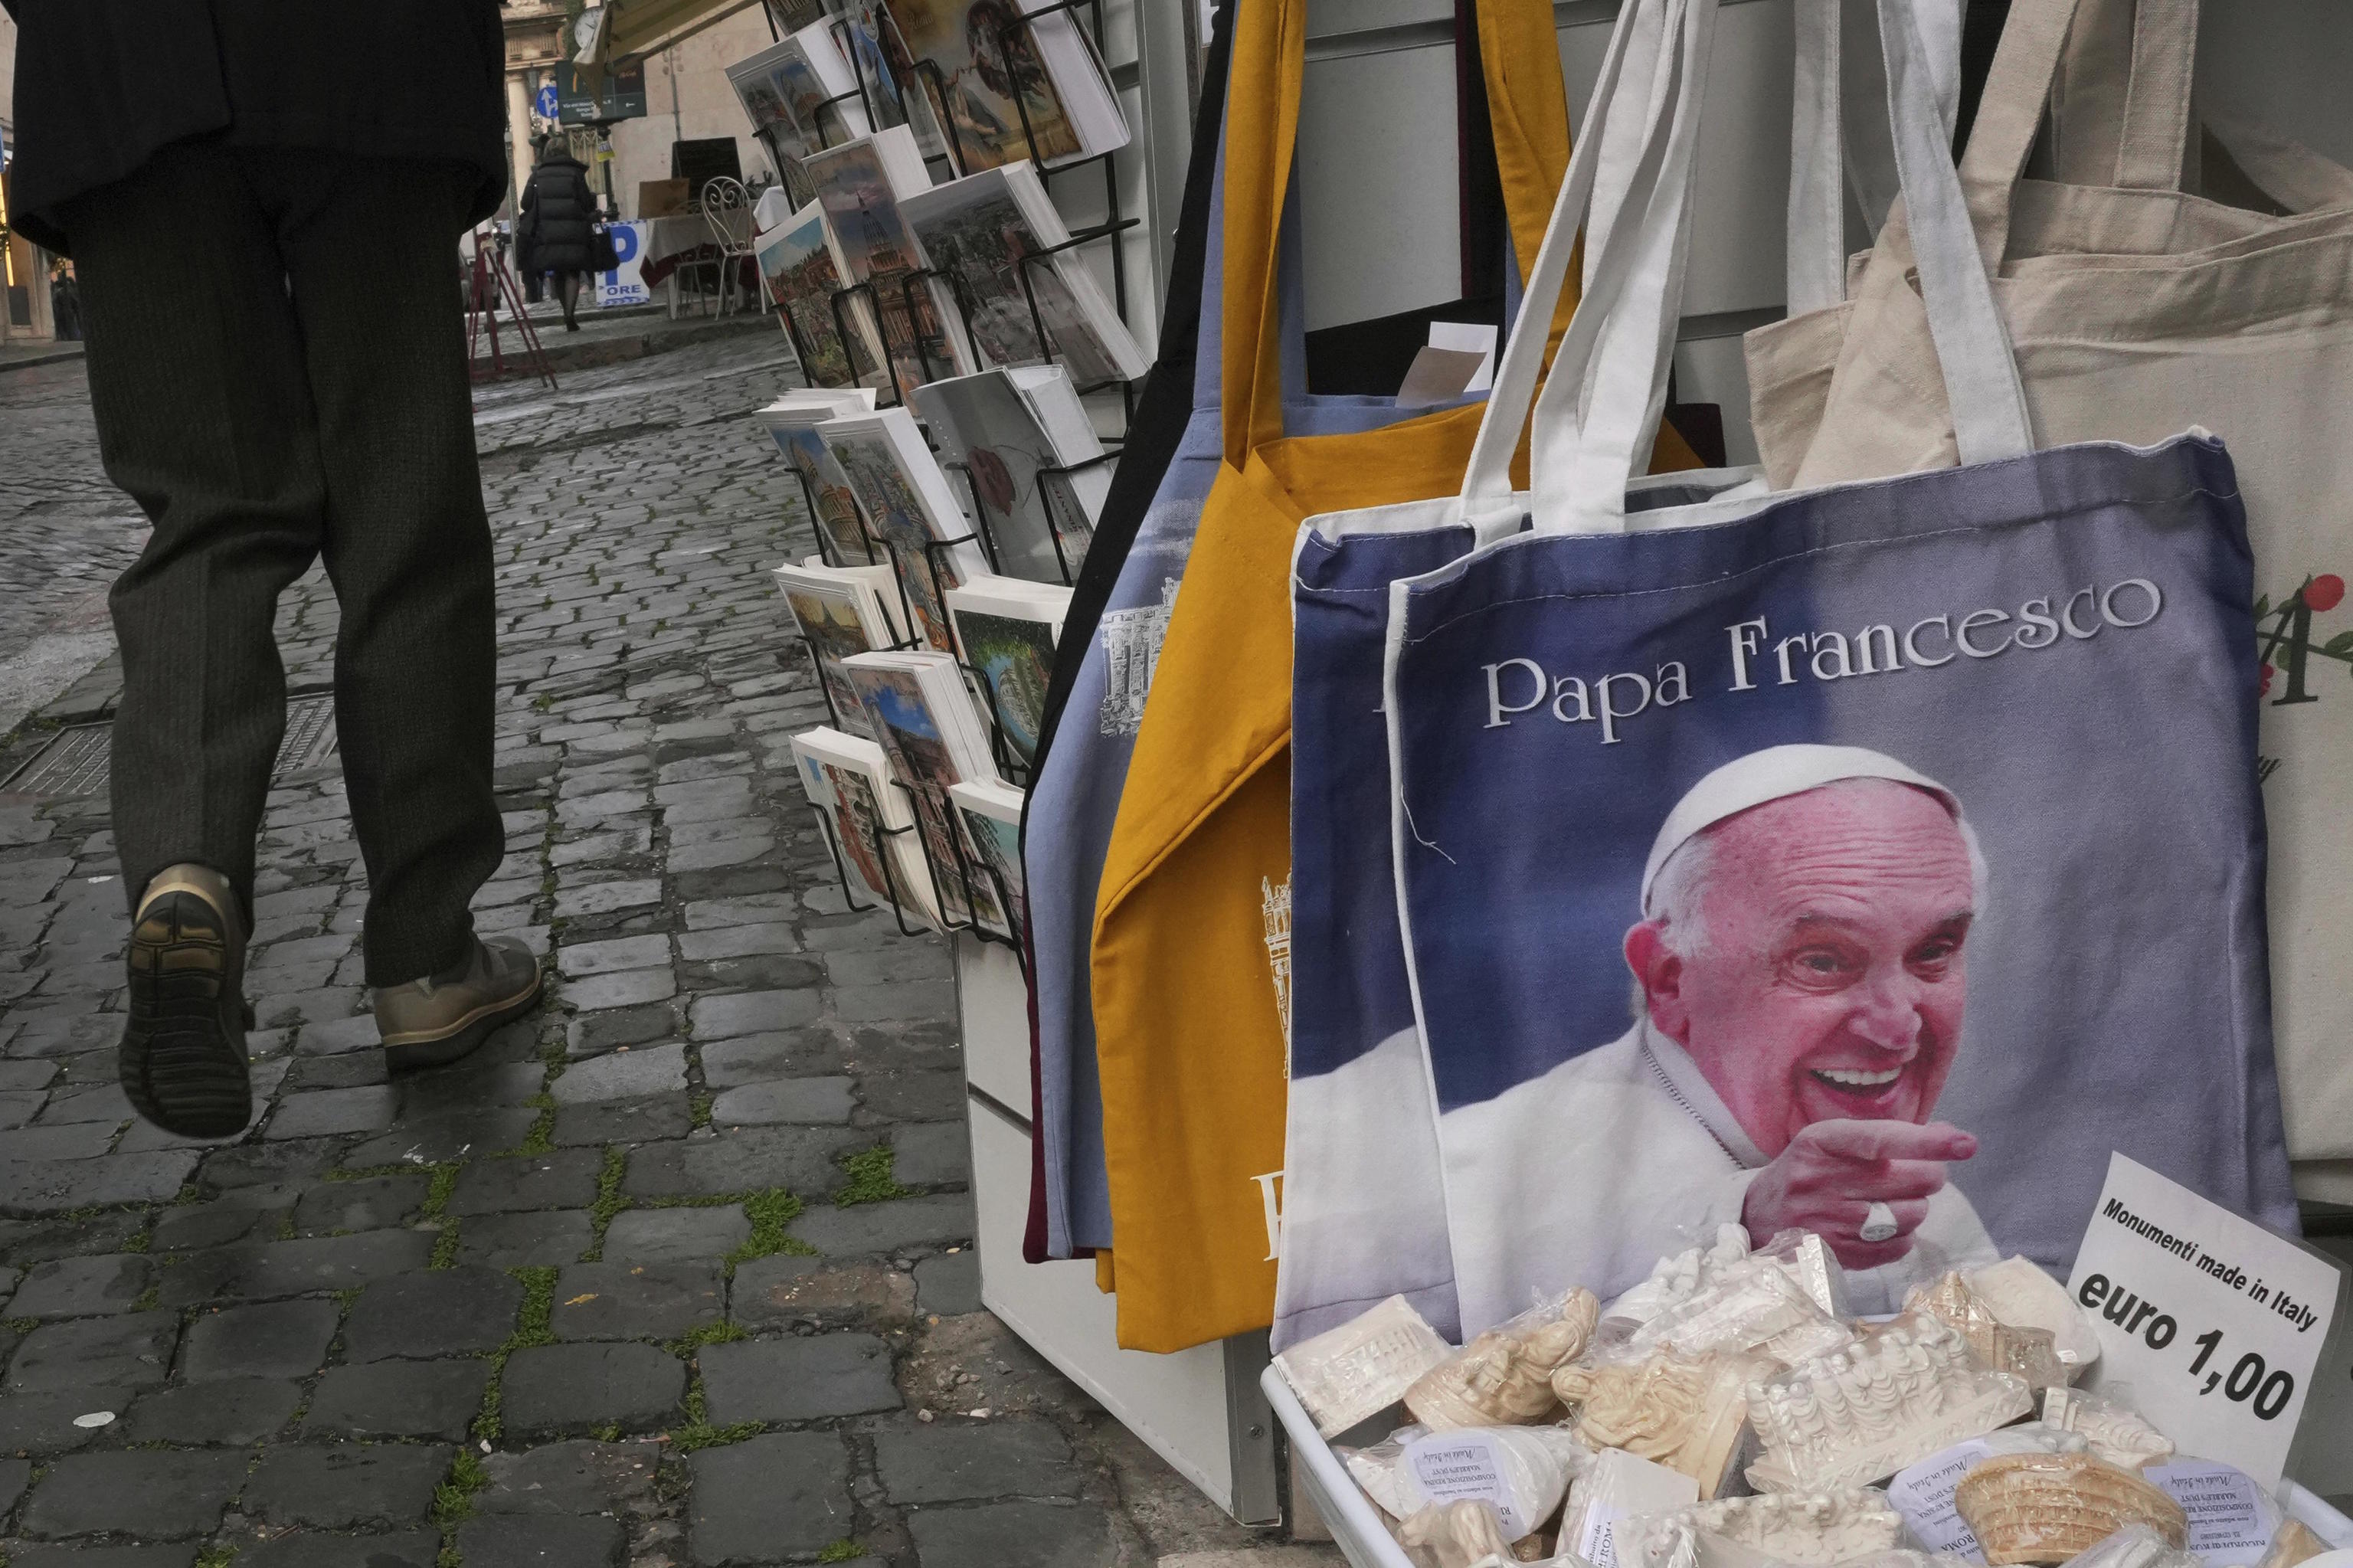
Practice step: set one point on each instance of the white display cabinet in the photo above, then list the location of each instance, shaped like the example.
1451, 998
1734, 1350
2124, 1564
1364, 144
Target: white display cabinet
1201, 1409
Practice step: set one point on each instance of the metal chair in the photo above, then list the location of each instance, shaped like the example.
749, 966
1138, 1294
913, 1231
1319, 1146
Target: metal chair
727, 208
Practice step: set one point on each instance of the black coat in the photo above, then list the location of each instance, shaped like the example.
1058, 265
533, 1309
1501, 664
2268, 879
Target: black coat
103, 84
556, 233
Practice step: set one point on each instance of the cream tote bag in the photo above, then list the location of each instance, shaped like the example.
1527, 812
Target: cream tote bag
2136, 310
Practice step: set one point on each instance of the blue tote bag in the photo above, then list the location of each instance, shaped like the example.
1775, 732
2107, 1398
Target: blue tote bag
1363, 1214
1873, 859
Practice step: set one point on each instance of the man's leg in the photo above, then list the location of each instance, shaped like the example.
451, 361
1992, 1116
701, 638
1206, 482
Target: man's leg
367, 244
197, 384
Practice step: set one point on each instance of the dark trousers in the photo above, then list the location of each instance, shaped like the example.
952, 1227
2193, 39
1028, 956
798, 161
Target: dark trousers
278, 369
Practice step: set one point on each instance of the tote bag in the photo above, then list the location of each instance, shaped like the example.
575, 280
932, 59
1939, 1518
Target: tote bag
1362, 1215
1189, 967
2251, 337
1076, 792
1164, 413
2121, 194
1804, 863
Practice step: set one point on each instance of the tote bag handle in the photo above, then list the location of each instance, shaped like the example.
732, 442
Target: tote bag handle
1628, 90
1586, 432
1262, 136
1838, 134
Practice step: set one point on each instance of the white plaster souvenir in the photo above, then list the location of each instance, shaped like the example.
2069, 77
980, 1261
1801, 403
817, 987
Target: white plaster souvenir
1864, 1413
1752, 1304
2292, 1544
2115, 1433
1379, 1471
1522, 1471
1923, 1492
1353, 1372
2027, 1352
1608, 1499
1687, 1412
2024, 1297
1455, 1534
1809, 1528
1504, 1377
1675, 1277
2047, 1508
2134, 1546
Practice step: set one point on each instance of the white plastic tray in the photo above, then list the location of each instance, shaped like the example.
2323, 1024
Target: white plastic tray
1366, 1543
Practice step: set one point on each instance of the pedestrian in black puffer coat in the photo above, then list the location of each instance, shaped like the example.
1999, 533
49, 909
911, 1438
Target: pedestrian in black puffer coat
557, 232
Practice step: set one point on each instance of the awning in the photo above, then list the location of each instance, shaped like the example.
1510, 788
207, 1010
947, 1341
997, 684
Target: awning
621, 29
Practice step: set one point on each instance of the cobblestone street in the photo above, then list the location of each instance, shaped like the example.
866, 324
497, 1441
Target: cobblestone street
676, 1271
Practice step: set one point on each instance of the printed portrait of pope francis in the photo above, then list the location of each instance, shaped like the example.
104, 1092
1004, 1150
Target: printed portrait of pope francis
1800, 976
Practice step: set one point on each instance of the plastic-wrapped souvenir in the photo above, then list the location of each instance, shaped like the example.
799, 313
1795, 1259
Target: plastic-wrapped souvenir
1504, 1377
1804, 1258
1685, 1411
2134, 1546
2116, 1432
1617, 1489
1809, 1528
1754, 1305
1523, 1472
2027, 1352
1350, 1373
2023, 1297
2292, 1543
1454, 1535
1923, 1492
2048, 1508
1378, 1470
1860, 1414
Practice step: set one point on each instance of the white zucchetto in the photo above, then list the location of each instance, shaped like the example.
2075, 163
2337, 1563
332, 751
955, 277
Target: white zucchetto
1772, 774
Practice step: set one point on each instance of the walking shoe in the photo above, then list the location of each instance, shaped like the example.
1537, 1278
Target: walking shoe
441, 1017
182, 1059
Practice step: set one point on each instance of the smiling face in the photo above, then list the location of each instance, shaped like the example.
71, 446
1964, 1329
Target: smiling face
1827, 980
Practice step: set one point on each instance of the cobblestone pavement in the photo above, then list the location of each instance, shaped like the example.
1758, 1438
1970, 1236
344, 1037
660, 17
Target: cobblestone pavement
676, 1271
65, 532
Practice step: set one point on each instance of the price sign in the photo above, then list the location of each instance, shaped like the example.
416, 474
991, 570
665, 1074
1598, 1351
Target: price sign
2216, 1323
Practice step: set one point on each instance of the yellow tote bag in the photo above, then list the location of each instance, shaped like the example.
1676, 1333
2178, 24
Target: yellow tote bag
1192, 917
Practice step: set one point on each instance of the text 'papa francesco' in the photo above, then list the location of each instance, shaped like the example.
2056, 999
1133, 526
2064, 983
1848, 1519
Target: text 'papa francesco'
1760, 658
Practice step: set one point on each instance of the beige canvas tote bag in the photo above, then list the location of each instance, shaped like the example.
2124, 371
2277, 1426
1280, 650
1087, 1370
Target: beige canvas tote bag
2136, 310
2119, 164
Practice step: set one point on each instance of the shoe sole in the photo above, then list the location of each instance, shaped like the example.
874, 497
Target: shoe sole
412, 1051
182, 1063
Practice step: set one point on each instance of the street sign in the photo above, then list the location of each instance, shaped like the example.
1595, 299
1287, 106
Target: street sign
621, 95
623, 286
548, 100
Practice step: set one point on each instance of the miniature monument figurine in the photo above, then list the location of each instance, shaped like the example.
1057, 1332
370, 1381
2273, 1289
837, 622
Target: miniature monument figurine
1504, 1377
1809, 1528
1345, 1374
2115, 1433
1860, 1414
2046, 1508
1686, 1413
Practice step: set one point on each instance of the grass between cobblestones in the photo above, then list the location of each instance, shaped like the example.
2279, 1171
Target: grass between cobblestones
871, 1179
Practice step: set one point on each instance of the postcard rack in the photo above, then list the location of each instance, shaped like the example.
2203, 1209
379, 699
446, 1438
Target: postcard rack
1015, 36
1058, 499
878, 838
1001, 748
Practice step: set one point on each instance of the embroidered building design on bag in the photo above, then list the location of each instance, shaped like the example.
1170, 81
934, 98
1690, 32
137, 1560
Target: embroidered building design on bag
1276, 906
1132, 640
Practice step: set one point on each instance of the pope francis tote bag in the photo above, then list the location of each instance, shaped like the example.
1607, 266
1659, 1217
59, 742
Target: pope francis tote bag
1361, 1215
1873, 859
2164, 311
